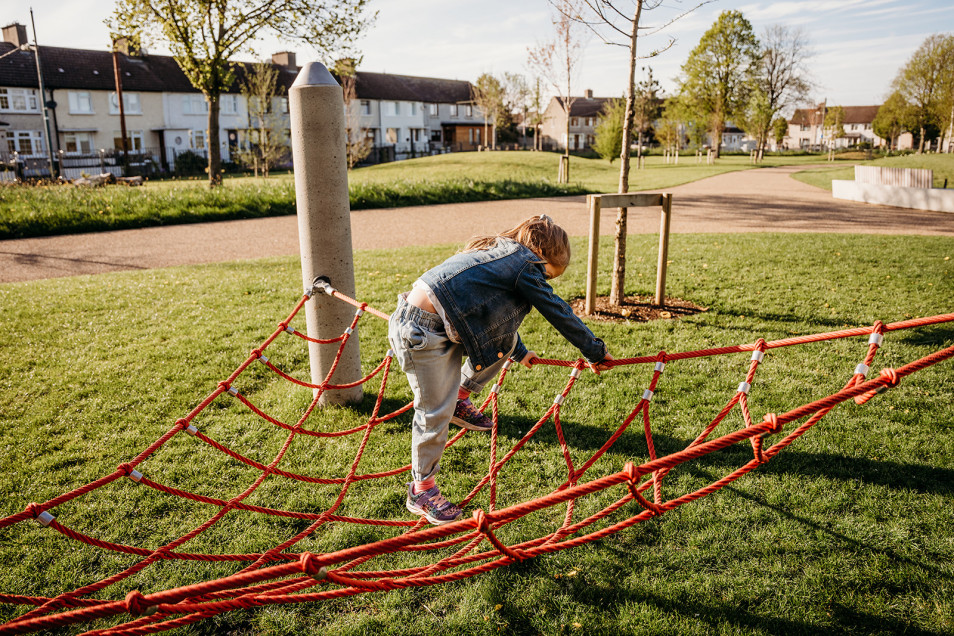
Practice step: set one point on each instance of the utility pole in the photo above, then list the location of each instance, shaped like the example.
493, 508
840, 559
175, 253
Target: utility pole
46, 117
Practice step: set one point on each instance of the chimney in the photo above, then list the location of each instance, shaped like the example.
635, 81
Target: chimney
589, 93
15, 34
285, 58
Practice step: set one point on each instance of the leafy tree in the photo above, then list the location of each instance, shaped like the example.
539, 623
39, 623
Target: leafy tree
779, 130
757, 119
668, 128
923, 82
488, 95
609, 130
834, 127
266, 137
894, 117
718, 76
647, 107
357, 142
557, 61
204, 35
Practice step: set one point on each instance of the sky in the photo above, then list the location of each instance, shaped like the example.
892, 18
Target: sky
857, 46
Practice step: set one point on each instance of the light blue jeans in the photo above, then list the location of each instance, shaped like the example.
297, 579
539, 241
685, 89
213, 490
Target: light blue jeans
432, 363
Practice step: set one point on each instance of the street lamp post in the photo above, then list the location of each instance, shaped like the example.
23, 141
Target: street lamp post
43, 106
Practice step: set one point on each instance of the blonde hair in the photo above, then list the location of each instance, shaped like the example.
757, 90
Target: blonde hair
545, 238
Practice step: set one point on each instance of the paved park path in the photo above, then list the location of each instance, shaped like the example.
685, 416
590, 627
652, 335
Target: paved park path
763, 200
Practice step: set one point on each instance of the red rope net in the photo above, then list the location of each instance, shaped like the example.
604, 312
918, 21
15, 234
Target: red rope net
280, 575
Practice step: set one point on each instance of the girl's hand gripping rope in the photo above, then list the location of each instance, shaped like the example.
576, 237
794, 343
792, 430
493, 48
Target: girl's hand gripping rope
602, 365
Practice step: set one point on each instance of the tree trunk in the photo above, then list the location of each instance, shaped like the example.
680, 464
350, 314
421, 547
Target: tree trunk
214, 150
565, 173
618, 285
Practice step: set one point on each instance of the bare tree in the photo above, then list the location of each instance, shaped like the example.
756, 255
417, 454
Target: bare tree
784, 78
267, 142
557, 62
488, 95
357, 143
516, 97
618, 23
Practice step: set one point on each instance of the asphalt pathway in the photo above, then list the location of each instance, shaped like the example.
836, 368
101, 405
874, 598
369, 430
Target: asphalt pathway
764, 200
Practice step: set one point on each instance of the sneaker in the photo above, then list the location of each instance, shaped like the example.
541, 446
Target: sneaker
466, 416
432, 504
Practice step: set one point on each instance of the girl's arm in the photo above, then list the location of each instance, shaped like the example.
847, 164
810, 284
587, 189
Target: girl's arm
533, 286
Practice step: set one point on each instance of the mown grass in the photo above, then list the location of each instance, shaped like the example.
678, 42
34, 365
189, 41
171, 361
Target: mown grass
847, 531
453, 178
941, 164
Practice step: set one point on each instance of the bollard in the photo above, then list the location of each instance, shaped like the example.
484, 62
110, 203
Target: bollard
316, 111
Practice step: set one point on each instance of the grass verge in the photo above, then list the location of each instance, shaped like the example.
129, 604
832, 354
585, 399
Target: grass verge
452, 178
847, 531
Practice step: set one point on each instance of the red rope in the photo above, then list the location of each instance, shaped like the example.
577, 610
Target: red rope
278, 576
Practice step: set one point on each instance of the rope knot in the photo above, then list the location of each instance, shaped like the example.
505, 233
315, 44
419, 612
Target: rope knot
34, 509
126, 468
772, 419
891, 376
480, 521
633, 474
137, 605
182, 423
255, 353
311, 565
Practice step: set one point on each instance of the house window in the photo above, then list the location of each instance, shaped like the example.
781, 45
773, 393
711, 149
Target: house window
81, 103
134, 137
432, 109
26, 142
365, 106
131, 105
392, 135
78, 142
803, 128
194, 105
455, 110
228, 104
574, 121
414, 108
19, 100
283, 105
198, 139
470, 110
393, 108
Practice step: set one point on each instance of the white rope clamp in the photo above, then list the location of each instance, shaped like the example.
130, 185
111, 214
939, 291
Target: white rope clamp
192, 430
659, 367
575, 373
349, 331
233, 390
862, 369
290, 329
744, 387
45, 519
389, 354
558, 400
508, 363
495, 388
648, 395
359, 313
262, 359
876, 338
135, 475
758, 356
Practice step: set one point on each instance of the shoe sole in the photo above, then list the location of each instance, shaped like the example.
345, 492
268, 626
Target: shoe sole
470, 427
434, 521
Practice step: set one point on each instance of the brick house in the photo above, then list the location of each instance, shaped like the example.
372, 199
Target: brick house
584, 115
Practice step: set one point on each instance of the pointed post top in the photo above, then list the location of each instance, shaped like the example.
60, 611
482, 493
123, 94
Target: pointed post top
314, 74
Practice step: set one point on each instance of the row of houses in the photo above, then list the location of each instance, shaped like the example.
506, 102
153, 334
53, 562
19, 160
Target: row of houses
806, 129
165, 116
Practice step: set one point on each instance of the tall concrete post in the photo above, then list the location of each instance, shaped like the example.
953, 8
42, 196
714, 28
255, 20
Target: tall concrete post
316, 110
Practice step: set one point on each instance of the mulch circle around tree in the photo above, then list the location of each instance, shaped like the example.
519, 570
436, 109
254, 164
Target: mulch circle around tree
637, 309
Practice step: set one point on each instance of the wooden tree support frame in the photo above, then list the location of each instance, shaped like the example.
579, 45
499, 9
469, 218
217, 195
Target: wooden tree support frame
596, 202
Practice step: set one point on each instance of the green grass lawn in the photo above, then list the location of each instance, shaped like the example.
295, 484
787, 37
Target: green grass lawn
451, 178
850, 530
941, 164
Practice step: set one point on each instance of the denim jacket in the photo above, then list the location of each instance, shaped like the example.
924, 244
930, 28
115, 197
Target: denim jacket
486, 294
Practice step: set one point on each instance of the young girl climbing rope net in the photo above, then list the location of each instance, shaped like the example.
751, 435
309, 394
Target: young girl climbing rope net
472, 305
